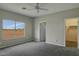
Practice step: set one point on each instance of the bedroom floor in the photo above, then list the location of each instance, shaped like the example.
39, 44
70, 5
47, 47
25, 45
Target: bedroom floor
38, 49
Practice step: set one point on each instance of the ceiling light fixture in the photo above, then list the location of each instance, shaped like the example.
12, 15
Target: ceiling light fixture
24, 8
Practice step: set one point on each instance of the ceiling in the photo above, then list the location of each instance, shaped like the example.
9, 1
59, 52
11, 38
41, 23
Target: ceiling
30, 11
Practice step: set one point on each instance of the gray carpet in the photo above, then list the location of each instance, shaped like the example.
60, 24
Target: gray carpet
38, 49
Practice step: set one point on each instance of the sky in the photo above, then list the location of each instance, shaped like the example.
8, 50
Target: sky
9, 24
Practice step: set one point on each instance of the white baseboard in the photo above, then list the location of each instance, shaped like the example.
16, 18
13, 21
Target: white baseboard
55, 44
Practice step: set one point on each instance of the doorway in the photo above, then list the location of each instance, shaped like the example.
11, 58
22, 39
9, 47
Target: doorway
72, 32
43, 32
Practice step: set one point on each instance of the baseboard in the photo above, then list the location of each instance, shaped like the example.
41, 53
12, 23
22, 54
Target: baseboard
55, 44
3, 47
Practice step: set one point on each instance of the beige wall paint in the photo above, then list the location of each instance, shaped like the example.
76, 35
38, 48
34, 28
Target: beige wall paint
55, 27
72, 22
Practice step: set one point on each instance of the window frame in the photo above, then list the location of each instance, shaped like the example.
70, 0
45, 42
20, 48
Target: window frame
14, 36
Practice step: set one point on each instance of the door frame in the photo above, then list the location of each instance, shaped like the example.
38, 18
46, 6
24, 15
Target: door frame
40, 32
65, 31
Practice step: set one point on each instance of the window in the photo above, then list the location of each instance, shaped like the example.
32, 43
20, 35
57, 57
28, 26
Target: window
19, 29
13, 29
8, 29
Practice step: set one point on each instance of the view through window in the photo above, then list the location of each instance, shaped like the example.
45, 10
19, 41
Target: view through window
13, 29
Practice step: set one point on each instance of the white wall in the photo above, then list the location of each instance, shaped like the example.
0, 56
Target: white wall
55, 28
28, 30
